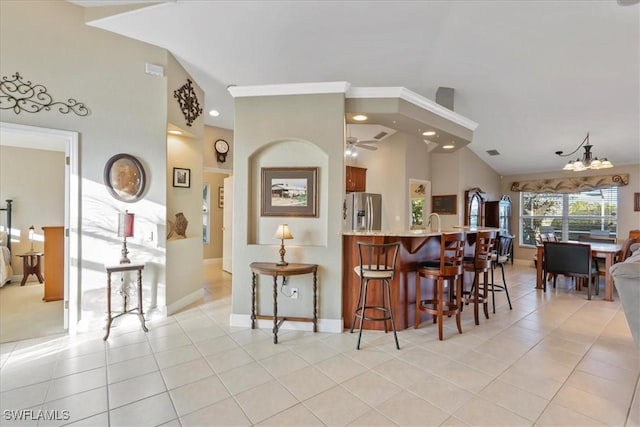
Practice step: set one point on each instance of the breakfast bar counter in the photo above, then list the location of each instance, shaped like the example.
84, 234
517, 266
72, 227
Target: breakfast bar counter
415, 247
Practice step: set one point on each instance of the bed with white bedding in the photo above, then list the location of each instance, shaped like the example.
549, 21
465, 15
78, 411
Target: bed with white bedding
6, 272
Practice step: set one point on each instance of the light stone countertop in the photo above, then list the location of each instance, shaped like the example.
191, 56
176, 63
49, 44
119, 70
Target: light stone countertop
417, 233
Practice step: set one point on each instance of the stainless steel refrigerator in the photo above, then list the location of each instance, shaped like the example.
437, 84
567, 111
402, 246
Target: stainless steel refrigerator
363, 212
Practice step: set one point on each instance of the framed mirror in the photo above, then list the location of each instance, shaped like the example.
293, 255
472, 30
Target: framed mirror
124, 178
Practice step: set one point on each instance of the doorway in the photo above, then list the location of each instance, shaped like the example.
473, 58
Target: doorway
37, 138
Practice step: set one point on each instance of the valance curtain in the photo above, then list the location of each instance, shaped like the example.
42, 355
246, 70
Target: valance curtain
570, 185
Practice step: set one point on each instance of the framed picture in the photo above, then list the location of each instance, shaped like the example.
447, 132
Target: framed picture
221, 197
289, 192
181, 177
445, 205
124, 178
636, 202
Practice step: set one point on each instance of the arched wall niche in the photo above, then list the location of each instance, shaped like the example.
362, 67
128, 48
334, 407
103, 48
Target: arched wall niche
287, 153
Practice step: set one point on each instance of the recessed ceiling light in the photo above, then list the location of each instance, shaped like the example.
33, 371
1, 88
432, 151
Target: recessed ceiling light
175, 132
428, 133
214, 113
448, 147
360, 117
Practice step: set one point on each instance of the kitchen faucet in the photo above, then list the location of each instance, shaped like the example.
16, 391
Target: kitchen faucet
432, 214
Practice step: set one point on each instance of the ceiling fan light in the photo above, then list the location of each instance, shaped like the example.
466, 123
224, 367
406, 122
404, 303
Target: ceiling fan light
354, 153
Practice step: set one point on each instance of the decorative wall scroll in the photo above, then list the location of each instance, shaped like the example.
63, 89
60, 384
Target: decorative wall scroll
20, 95
124, 177
188, 101
571, 185
289, 192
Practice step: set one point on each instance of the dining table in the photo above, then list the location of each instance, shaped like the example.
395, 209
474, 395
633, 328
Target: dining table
608, 251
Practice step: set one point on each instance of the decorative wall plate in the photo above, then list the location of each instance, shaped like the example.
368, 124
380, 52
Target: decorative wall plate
125, 178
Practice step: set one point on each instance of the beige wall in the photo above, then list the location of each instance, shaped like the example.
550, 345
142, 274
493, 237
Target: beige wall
302, 130
628, 219
184, 257
48, 43
215, 172
213, 250
34, 179
212, 134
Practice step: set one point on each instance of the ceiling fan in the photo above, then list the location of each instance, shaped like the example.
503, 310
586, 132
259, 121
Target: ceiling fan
352, 141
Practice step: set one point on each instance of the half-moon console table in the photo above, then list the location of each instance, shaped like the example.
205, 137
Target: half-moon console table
273, 270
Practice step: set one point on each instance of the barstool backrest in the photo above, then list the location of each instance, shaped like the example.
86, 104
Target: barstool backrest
485, 241
377, 259
451, 253
503, 248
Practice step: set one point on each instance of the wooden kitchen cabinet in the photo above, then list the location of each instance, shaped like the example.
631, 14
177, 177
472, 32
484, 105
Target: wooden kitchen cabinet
356, 179
53, 263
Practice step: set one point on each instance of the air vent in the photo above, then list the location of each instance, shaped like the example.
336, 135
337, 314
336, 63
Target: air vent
380, 135
493, 152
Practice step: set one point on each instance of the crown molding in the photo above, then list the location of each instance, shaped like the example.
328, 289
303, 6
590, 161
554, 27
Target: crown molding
414, 98
289, 89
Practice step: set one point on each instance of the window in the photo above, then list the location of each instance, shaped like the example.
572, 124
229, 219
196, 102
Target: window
569, 216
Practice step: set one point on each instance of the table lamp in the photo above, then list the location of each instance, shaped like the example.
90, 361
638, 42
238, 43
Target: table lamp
32, 230
125, 229
282, 233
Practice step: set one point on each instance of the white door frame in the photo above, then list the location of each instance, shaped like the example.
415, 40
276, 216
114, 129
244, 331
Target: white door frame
71, 216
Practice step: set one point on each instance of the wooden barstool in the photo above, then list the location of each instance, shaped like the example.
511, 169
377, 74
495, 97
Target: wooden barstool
480, 263
448, 268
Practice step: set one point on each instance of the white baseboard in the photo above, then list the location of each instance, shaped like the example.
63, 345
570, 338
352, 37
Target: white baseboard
525, 262
334, 326
185, 301
212, 261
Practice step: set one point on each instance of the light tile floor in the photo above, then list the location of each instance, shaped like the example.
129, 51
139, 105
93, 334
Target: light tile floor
555, 359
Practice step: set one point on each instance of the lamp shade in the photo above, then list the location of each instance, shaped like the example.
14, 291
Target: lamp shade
32, 230
125, 224
283, 232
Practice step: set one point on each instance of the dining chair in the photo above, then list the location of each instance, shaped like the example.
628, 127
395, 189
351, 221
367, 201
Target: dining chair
447, 268
377, 261
569, 259
544, 237
625, 252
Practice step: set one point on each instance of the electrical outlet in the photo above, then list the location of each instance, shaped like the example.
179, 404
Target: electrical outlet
294, 293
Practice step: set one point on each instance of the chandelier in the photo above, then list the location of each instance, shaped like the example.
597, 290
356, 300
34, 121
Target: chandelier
588, 161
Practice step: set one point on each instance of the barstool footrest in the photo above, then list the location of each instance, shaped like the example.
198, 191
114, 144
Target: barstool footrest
452, 307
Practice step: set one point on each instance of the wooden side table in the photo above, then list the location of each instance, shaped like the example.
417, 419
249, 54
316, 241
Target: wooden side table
121, 268
273, 270
31, 264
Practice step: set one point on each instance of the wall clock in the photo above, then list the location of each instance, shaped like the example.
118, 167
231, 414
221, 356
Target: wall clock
222, 148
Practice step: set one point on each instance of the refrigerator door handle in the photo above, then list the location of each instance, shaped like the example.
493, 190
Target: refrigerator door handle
369, 213
366, 213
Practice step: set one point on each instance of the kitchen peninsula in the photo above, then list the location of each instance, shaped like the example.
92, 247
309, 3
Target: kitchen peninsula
415, 247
